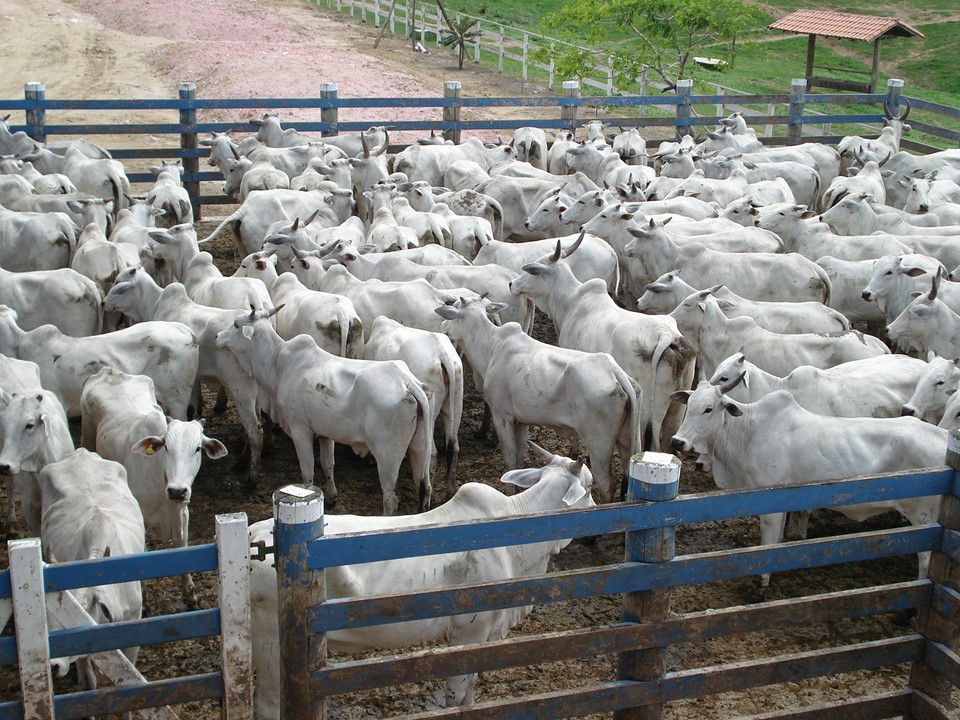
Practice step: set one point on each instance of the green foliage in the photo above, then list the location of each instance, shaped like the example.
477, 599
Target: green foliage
669, 32
460, 35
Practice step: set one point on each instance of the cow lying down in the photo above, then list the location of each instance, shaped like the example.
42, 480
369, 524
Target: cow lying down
562, 483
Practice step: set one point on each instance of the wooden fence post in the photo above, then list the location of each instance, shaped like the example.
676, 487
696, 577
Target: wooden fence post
233, 588
36, 116
190, 141
937, 622
798, 88
30, 621
329, 91
568, 113
298, 510
452, 89
526, 47
654, 477
684, 109
500, 52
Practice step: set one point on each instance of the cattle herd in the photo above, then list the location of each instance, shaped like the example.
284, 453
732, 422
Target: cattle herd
714, 297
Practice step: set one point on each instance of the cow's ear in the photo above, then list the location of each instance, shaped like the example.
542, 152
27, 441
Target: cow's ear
732, 409
522, 478
213, 448
920, 311
681, 396
5, 398
247, 331
148, 445
574, 493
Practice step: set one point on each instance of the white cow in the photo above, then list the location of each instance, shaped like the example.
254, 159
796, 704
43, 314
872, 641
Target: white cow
769, 443
875, 387
530, 145
378, 407
433, 360
526, 382
36, 240
16, 377
121, 421
169, 195
63, 298
896, 279
758, 276
103, 177
34, 433
593, 257
927, 324
717, 337
937, 383
560, 485
651, 350
166, 351
89, 513
141, 299
847, 281
669, 290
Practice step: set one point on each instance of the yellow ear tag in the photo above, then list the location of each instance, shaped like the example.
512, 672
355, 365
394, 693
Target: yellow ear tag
150, 450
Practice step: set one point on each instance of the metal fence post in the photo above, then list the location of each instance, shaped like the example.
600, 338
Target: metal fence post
937, 622
36, 116
233, 590
653, 477
452, 89
298, 513
189, 141
798, 88
684, 109
30, 622
329, 91
568, 113
894, 90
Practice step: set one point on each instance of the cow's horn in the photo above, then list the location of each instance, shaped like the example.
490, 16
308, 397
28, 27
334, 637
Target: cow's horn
731, 384
273, 312
577, 467
573, 248
557, 254
935, 286
543, 454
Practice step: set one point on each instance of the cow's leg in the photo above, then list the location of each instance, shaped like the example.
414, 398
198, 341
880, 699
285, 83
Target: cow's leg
245, 400
388, 468
326, 464
451, 452
421, 466
460, 690
771, 533
86, 676
11, 505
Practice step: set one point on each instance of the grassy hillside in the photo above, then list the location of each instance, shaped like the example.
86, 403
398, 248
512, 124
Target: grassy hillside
766, 60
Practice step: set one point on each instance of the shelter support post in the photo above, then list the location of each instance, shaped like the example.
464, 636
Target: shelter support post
811, 53
452, 89
36, 116
875, 68
329, 91
653, 477
938, 622
298, 512
190, 141
798, 88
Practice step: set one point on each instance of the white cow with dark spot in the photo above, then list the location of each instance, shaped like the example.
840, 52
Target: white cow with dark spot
937, 383
526, 382
560, 485
166, 351
63, 298
375, 407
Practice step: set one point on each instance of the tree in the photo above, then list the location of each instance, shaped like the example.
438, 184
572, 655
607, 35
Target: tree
459, 35
669, 33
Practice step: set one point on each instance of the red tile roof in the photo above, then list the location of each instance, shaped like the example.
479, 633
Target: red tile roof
843, 25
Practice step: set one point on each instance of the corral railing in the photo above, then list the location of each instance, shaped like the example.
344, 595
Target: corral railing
49, 623
645, 579
789, 120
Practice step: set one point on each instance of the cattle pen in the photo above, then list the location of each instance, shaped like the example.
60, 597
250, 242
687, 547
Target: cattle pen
645, 677
639, 644
788, 118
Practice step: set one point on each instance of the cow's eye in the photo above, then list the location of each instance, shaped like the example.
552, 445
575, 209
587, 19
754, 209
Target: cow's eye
889, 272
938, 383
199, 447
708, 410
724, 379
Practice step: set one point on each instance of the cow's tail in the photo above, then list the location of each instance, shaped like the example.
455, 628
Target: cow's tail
236, 216
497, 217
827, 285
634, 395
422, 437
679, 362
453, 405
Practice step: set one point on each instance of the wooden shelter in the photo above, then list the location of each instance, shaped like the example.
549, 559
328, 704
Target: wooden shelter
848, 26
